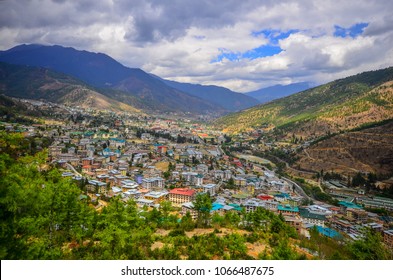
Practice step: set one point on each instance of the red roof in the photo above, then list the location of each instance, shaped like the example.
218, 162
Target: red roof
265, 197
182, 191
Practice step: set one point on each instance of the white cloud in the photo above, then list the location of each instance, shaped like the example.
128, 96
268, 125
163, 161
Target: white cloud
179, 39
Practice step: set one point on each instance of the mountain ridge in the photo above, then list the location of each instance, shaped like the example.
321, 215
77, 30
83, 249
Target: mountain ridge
101, 71
267, 94
308, 112
221, 96
37, 83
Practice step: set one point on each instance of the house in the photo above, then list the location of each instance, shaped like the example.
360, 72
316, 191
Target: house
376, 202
116, 191
342, 225
156, 196
218, 174
358, 215
189, 207
132, 193
227, 174
145, 202
308, 217
388, 238
202, 168
287, 209
210, 188
328, 232
153, 183
240, 182
127, 185
193, 178
97, 187
345, 205
294, 222
217, 208
251, 205
265, 197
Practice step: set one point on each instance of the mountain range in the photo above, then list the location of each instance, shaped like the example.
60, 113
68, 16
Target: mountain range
132, 86
267, 94
29, 82
220, 96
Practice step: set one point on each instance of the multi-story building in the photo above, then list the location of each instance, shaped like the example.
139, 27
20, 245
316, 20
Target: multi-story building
210, 188
189, 207
308, 217
287, 210
358, 215
227, 175
240, 182
153, 183
156, 197
294, 222
376, 202
251, 205
179, 196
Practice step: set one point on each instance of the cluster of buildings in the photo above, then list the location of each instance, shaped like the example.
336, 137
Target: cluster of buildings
175, 160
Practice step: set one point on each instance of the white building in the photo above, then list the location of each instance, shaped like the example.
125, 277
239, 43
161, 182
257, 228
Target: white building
153, 183
210, 188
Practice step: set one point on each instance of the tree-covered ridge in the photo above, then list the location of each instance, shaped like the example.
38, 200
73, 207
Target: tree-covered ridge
361, 92
46, 216
40, 83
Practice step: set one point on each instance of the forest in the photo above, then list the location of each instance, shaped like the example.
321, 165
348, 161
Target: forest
46, 216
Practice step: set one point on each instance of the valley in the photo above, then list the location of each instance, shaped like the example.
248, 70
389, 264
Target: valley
138, 167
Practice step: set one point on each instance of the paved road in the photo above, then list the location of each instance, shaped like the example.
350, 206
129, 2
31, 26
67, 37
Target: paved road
73, 169
298, 189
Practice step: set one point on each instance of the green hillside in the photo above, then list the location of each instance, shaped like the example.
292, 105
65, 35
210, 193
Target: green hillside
333, 106
43, 84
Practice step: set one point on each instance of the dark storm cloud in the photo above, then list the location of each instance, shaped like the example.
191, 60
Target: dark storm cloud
169, 20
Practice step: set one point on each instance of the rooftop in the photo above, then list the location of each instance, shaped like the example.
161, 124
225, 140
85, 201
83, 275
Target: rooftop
328, 232
288, 208
182, 191
349, 205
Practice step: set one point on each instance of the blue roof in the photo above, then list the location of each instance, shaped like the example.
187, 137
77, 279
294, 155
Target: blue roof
350, 205
216, 206
328, 232
284, 195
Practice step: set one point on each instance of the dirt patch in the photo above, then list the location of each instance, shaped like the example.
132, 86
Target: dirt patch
157, 245
254, 249
163, 166
162, 232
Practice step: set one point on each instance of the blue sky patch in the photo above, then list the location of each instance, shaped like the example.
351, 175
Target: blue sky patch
262, 51
274, 34
353, 31
272, 48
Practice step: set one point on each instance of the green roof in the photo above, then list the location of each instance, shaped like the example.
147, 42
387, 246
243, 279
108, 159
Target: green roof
288, 208
350, 205
236, 206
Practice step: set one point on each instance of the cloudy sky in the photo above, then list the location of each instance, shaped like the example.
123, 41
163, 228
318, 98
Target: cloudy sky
243, 45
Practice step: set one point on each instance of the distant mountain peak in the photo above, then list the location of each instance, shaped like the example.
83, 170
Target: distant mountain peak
268, 94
